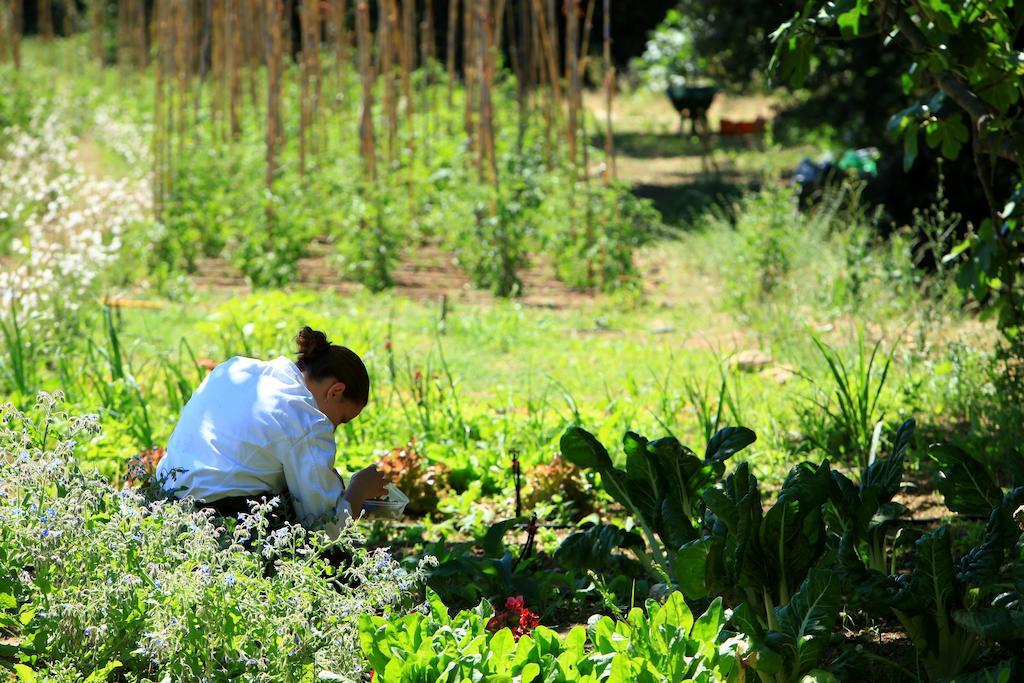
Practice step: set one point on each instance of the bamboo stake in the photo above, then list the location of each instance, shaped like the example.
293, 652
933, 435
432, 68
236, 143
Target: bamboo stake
316, 31
304, 77
70, 17
233, 58
386, 54
469, 75
45, 20
182, 38
485, 67
97, 23
572, 74
5, 21
342, 43
367, 145
160, 127
427, 48
274, 68
408, 61
16, 28
142, 54
218, 71
609, 87
453, 27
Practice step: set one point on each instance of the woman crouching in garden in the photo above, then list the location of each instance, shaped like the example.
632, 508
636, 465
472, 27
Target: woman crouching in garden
255, 430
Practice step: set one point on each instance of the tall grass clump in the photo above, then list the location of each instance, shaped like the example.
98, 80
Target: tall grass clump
828, 259
96, 580
845, 416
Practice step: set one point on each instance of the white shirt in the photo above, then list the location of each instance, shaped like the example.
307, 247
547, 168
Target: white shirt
253, 427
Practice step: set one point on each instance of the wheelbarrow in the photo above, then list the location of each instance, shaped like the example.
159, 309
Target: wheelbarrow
692, 103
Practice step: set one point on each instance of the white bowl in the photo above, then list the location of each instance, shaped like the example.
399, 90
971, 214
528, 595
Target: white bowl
392, 507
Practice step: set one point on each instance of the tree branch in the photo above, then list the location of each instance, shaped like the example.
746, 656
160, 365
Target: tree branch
959, 92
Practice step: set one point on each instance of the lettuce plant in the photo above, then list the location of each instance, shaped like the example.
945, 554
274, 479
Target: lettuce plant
661, 644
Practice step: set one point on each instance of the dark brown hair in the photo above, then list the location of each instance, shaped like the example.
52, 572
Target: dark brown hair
319, 358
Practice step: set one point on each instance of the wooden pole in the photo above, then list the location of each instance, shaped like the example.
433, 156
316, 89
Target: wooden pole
234, 57
572, 76
274, 68
367, 144
45, 19
453, 27
97, 28
609, 88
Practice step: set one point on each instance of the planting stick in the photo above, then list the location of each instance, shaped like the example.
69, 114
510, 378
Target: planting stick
234, 56
97, 26
609, 88
45, 20
453, 25
342, 43
274, 134
366, 75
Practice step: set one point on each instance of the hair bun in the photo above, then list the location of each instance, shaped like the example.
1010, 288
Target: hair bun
311, 343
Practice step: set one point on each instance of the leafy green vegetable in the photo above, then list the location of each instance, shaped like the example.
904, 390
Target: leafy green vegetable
795, 645
866, 511
662, 484
762, 558
964, 482
663, 645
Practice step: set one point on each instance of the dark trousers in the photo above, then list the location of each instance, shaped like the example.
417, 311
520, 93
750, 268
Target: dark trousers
236, 505
278, 518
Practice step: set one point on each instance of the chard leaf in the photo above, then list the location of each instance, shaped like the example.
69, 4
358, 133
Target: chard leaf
769, 660
992, 623
638, 463
594, 549
582, 448
691, 568
964, 483
806, 623
727, 442
932, 581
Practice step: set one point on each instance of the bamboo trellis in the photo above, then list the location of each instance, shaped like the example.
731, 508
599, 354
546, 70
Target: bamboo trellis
238, 60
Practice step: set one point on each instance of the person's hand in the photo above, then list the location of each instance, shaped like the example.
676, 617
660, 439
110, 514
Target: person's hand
365, 484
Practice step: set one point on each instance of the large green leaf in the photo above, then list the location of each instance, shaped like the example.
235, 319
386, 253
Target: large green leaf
792, 535
691, 568
769, 659
933, 582
594, 549
727, 442
639, 465
982, 564
964, 482
582, 448
992, 623
805, 624
886, 474
735, 559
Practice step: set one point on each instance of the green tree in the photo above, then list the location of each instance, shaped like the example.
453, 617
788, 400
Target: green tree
967, 58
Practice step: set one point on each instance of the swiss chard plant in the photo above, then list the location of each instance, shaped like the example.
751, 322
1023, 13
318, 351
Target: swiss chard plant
755, 557
792, 649
865, 512
952, 608
661, 485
